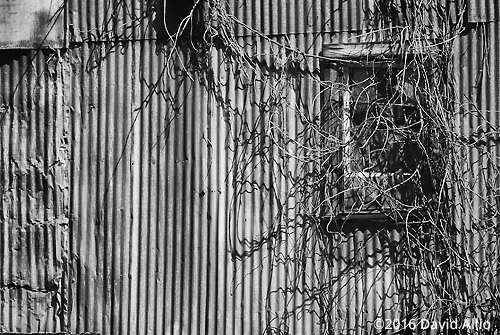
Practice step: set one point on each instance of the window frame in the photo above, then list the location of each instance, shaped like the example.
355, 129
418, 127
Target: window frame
348, 57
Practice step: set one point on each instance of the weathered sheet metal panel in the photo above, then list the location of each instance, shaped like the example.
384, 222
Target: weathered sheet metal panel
151, 202
477, 73
483, 11
31, 24
141, 241
34, 193
99, 126
154, 213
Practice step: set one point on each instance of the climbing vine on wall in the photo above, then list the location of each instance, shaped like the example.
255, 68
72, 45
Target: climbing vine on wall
442, 242
308, 158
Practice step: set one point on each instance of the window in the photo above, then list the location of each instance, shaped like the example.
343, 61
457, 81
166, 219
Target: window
375, 148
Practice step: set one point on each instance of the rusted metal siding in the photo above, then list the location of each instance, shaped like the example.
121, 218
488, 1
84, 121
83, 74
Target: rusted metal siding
34, 193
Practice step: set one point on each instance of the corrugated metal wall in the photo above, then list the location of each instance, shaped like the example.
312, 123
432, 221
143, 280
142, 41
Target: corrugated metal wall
34, 193
478, 76
482, 11
124, 20
141, 238
133, 173
299, 17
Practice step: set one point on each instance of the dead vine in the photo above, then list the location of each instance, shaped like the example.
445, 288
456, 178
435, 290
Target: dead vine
318, 151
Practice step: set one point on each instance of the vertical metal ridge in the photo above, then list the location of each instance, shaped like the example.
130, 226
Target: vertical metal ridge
155, 241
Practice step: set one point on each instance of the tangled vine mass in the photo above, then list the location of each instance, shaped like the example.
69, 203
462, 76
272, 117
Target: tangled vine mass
380, 134
383, 134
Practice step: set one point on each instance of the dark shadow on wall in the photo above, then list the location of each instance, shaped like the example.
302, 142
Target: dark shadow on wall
169, 16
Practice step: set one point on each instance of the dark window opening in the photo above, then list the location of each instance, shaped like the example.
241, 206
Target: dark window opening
171, 15
379, 163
